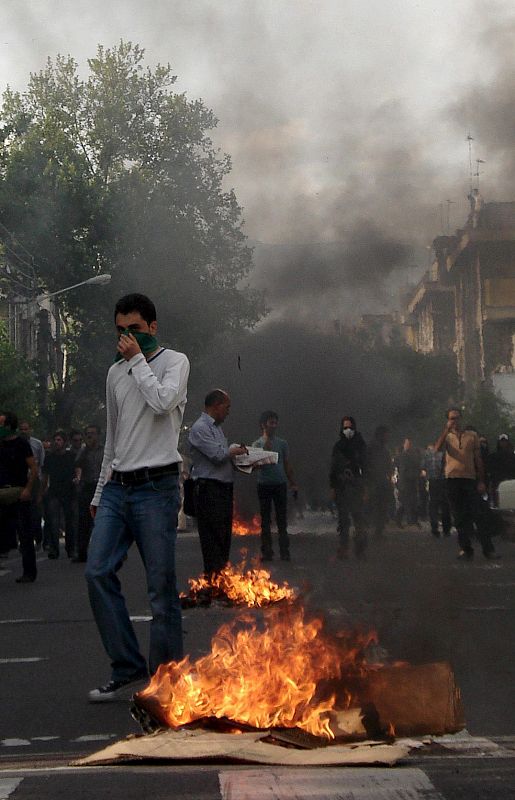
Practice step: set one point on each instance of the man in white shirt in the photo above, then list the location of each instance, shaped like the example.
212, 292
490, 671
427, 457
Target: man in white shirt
137, 496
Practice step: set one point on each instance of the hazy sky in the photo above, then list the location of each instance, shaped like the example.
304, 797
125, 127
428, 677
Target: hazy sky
340, 115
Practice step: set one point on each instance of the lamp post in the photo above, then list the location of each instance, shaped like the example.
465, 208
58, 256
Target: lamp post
98, 280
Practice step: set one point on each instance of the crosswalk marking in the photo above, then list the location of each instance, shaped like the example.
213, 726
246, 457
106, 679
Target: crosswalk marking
8, 786
27, 660
351, 783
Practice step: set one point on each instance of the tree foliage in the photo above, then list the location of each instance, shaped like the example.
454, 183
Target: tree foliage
17, 380
116, 172
489, 414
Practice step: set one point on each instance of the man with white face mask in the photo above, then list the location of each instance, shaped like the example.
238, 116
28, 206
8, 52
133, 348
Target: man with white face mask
346, 480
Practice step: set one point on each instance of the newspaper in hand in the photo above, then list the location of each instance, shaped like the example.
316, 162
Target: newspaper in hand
255, 457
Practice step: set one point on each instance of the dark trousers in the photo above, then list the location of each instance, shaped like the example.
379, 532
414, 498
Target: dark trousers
35, 512
57, 507
276, 493
380, 500
214, 522
466, 510
16, 520
439, 509
408, 496
349, 503
85, 520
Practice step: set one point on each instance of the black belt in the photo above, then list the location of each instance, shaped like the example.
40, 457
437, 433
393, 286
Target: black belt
144, 475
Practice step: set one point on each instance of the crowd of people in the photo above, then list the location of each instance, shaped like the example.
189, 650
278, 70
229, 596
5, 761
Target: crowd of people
56, 478
107, 497
453, 481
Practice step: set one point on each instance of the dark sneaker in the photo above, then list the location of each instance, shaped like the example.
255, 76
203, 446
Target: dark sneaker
114, 689
267, 557
285, 557
26, 579
492, 556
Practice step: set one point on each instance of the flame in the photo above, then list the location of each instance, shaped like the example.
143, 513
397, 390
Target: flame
250, 587
243, 527
264, 678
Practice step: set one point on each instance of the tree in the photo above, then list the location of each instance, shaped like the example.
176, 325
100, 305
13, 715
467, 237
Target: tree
490, 414
116, 172
17, 380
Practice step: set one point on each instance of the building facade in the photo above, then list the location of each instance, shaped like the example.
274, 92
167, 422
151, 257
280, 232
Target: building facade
465, 304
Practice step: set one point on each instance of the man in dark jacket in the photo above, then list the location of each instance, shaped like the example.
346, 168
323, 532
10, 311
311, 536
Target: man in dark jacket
379, 480
18, 471
347, 482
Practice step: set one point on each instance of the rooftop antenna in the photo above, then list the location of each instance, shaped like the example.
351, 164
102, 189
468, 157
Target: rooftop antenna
440, 209
470, 139
478, 172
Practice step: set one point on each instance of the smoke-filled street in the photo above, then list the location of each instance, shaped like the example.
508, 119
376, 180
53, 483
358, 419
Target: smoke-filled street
424, 604
257, 400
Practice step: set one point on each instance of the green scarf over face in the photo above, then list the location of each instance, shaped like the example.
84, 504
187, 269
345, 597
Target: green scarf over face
146, 341
5, 432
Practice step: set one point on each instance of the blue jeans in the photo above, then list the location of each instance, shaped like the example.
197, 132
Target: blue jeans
146, 514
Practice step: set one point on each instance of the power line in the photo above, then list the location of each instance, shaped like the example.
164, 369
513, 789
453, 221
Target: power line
16, 267
17, 241
9, 277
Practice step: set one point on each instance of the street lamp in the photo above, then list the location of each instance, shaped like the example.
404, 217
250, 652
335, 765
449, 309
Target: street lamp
99, 280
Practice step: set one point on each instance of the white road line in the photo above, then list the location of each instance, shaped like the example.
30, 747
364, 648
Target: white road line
95, 737
142, 618
18, 621
8, 786
44, 738
485, 608
29, 660
350, 783
5, 572
15, 742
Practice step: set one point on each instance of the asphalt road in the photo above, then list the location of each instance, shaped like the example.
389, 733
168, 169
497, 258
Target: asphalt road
424, 604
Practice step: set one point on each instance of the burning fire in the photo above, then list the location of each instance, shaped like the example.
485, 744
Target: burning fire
251, 587
264, 678
242, 527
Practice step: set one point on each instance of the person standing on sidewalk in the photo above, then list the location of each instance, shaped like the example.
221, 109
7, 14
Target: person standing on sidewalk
439, 511
18, 471
87, 472
137, 496
272, 487
213, 472
57, 491
379, 480
38, 451
465, 476
346, 478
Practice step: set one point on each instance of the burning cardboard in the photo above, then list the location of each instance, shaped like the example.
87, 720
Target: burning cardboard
248, 748
252, 587
245, 527
287, 694
287, 675
290, 675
